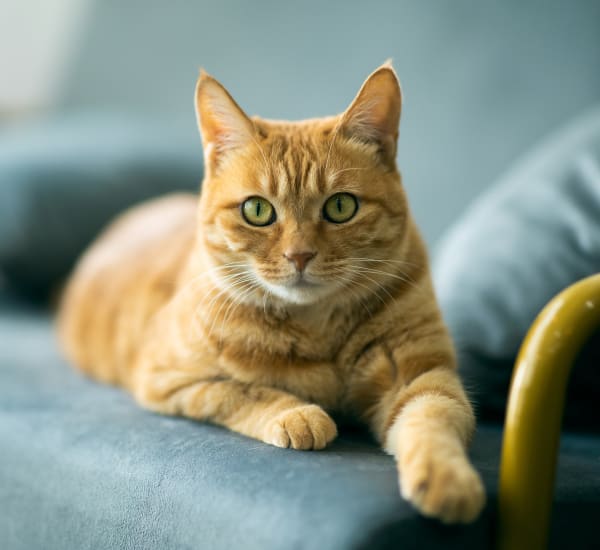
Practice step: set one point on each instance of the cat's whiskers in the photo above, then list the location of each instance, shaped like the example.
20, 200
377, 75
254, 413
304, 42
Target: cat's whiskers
359, 299
208, 314
400, 276
204, 276
266, 293
362, 285
232, 281
219, 292
393, 264
239, 284
242, 289
196, 317
229, 279
387, 261
236, 304
198, 282
239, 289
378, 285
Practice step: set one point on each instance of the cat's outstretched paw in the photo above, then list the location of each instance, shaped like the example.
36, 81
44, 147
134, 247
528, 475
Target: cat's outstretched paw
442, 487
304, 427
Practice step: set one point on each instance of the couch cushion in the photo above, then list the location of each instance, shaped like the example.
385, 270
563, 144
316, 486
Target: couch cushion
62, 179
83, 467
536, 232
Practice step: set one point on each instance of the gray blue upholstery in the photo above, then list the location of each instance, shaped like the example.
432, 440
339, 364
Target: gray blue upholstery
63, 178
534, 233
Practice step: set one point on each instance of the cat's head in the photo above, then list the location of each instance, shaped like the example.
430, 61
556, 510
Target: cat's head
305, 210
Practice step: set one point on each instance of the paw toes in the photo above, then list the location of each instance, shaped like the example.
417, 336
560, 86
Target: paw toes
451, 490
278, 437
302, 428
299, 432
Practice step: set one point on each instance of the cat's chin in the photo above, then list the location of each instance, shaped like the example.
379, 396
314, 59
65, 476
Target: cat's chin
300, 293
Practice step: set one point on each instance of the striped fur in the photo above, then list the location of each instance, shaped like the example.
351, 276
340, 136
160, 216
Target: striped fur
197, 313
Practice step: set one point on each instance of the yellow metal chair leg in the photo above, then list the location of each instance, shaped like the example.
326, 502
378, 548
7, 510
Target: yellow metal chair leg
534, 414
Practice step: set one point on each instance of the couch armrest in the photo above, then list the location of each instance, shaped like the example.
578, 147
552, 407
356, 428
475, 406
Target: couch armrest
534, 414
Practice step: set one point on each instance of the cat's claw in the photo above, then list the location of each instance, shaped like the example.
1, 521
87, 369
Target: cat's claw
448, 489
305, 427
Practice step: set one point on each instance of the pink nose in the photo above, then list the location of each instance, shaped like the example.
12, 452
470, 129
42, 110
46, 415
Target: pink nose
299, 259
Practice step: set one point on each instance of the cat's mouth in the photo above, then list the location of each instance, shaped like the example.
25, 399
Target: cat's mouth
300, 289
302, 283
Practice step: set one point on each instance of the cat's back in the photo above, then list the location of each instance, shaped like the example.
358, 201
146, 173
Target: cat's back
126, 275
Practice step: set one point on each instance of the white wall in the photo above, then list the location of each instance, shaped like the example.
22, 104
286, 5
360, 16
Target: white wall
36, 41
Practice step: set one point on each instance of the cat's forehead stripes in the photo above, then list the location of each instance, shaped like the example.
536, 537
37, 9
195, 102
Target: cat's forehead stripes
295, 166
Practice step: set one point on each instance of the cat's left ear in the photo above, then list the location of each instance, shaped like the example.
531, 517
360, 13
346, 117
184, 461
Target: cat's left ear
374, 115
223, 125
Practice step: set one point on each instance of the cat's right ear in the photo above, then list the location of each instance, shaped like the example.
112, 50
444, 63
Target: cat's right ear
223, 125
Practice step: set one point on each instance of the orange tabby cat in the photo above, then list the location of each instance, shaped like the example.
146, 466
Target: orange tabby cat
296, 286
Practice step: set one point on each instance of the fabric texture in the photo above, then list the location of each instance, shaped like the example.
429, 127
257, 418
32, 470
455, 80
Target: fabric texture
536, 232
62, 180
82, 466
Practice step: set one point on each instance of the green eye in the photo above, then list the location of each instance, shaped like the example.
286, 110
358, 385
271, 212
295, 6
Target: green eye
258, 211
340, 208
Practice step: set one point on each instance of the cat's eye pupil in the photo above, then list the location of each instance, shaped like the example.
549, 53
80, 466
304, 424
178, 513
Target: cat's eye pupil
338, 202
257, 209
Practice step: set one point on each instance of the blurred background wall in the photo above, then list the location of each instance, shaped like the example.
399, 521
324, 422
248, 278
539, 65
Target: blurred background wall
483, 81
38, 39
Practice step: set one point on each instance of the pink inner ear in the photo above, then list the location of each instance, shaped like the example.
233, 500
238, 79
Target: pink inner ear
223, 124
374, 115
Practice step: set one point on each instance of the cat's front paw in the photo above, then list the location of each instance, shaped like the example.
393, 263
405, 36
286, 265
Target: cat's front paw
304, 427
444, 487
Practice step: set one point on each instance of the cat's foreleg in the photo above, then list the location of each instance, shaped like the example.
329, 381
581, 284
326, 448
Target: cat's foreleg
260, 412
425, 421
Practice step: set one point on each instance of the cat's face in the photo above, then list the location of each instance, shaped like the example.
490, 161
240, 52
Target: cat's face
306, 211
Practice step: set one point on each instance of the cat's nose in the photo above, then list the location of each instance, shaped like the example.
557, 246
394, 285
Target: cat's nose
299, 259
